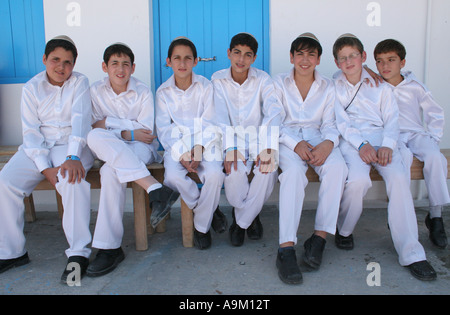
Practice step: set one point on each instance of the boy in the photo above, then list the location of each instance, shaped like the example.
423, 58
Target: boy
56, 118
123, 137
184, 104
416, 107
367, 120
245, 100
308, 137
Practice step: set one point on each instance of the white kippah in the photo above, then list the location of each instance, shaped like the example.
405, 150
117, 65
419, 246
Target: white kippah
248, 34
309, 35
347, 35
64, 37
182, 37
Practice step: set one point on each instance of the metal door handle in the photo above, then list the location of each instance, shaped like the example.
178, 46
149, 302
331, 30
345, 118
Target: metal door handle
207, 59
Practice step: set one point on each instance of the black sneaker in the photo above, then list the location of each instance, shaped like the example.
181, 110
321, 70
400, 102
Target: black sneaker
219, 221
106, 261
288, 269
161, 200
422, 270
6, 264
255, 230
83, 264
344, 242
202, 240
437, 231
237, 234
314, 247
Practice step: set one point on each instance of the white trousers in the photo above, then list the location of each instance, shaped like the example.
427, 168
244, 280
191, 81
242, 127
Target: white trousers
248, 198
124, 162
401, 213
293, 181
203, 201
435, 165
18, 179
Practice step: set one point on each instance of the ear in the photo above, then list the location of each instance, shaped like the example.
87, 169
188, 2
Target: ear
104, 67
168, 63
133, 68
291, 56
337, 63
402, 63
195, 61
44, 59
364, 56
229, 53
318, 61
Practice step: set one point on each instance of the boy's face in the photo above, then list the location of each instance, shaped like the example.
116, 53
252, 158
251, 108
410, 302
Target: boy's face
182, 61
305, 61
241, 57
389, 65
59, 65
119, 70
350, 61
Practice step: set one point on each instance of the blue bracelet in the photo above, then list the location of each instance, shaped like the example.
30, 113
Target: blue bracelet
132, 135
362, 144
73, 158
231, 149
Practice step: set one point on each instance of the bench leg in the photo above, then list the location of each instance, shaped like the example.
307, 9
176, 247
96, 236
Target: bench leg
187, 223
140, 217
30, 212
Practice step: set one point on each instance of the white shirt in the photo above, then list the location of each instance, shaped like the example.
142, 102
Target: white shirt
183, 118
372, 116
253, 104
130, 110
53, 115
309, 119
417, 106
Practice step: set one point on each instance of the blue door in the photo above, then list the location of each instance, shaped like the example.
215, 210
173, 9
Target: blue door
210, 24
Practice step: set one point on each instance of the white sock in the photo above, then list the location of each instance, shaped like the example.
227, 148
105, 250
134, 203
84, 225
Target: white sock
436, 211
153, 187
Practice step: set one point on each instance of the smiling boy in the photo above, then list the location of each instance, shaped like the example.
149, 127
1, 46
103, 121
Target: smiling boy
123, 137
56, 118
421, 122
367, 118
245, 99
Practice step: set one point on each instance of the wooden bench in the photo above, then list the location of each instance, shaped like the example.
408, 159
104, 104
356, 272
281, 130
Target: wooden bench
187, 217
141, 206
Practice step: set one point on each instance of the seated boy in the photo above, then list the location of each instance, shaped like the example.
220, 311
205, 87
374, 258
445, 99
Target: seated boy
184, 103
367, 118
245, 100
308, 137
416, 107
56, 118
123, 138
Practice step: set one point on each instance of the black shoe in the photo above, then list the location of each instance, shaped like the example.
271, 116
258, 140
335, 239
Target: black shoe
161, 200
202, 240
237, 234
106, 261
343, 242
314, 247
219, 222
437, 231
83, 264
288, 269
422, 270
6, 264
255, 230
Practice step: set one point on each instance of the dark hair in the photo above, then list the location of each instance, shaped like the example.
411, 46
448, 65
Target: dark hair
56, 43
182, 42
347, 41
305, 43
119, 50
390, 45
245, 40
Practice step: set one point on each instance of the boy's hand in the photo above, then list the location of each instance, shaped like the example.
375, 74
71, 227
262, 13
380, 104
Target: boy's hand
100, 124
51, 174
368, 154
384, 156
142, 135
266, 161
74, 169
321, 152
303, 149
191, 159
376, 77
232, 157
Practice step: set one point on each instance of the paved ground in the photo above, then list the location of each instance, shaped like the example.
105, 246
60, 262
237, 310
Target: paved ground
169, 269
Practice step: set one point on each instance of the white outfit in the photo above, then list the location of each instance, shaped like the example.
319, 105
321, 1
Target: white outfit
125, 161
416, 107
247, 108
182, 120
373, 116
55, 122
311, 120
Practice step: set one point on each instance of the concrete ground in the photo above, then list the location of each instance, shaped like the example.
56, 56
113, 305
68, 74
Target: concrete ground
169, 269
